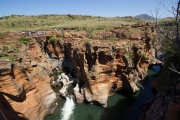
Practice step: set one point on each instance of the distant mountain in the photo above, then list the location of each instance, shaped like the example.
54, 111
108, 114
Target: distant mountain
144, 17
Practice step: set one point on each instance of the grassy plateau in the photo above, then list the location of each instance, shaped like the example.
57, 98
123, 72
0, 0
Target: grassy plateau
52, 21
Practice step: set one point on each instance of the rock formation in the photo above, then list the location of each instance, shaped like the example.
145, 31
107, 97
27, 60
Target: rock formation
113, 60
66, 83
104, 65
163, 107
25, 91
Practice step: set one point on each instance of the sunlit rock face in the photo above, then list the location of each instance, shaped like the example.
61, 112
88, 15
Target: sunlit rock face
31, 97
111, 61
25, 89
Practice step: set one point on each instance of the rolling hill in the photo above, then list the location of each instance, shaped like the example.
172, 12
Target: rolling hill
144, 17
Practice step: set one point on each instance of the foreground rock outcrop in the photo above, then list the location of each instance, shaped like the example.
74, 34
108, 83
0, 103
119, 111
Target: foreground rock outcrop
30, 96
25, 91
163, 107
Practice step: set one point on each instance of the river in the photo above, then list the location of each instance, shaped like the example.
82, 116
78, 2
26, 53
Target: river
121, 105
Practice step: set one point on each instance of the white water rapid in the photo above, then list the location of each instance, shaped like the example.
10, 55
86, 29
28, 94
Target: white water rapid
67, 109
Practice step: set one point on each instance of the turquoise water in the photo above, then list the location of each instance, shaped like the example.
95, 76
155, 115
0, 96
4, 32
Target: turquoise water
121, 105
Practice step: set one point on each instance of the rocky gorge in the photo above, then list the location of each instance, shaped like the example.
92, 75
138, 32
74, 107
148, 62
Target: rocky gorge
98, 65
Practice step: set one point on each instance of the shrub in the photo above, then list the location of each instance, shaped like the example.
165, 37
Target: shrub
53, 39
10, 58
24, 40
5, 52
6, 55
2, 35
91, 36
141, 54
86, 41
43, 67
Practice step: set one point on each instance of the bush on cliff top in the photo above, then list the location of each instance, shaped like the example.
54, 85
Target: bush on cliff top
6, 52
2, 35
24, 40
53, 39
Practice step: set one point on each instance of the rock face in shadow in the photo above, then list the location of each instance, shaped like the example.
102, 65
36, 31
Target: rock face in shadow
6, 109
163, 107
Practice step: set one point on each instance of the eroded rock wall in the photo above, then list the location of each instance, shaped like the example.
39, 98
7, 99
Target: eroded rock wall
102, 65
25, 83
111, 61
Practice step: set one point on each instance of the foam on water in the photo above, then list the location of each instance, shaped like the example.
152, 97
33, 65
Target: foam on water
67, 109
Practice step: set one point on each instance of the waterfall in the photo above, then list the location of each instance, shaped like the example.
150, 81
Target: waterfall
67, 109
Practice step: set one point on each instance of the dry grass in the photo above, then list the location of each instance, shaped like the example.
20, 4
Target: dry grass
48, 22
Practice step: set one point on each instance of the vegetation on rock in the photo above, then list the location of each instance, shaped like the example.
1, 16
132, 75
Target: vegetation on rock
24, 40
2, 35
53, 39
9, 52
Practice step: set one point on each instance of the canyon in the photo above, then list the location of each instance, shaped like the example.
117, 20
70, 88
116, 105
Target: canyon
101, 64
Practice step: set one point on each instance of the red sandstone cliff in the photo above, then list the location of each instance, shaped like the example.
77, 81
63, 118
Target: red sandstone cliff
25, 91
105, 65
102, 66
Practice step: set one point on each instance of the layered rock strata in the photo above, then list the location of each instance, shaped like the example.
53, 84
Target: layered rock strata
101, 65
113, 60
25, 91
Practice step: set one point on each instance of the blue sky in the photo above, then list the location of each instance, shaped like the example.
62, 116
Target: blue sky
106, 8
